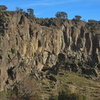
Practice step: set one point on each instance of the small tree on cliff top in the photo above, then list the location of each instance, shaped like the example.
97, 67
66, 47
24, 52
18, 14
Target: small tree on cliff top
77, 17
19, 9
30, 12
61, 15
3, 7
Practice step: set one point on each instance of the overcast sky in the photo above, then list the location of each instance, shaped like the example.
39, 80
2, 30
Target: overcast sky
88, 9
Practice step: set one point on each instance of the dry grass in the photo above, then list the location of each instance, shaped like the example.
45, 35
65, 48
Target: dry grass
79, 87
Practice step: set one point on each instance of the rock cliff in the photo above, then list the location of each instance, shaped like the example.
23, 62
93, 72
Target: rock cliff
30, 45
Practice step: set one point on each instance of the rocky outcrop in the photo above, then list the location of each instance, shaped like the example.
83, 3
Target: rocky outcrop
28, 45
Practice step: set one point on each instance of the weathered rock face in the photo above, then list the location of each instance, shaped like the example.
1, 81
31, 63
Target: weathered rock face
28, 45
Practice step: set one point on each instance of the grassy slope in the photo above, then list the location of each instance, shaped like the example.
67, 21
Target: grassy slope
80, 84
67, 81
76, 84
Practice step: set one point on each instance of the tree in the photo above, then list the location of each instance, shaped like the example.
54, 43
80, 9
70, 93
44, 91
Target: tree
30, 12
3, 7
19, 9
77, 17
61, 15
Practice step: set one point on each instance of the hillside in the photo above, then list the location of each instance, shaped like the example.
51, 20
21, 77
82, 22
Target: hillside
41, 57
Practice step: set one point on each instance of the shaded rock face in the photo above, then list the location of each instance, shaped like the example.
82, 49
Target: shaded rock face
28, 45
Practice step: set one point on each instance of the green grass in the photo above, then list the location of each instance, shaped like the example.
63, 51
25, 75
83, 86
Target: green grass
79, 85
69, 86
13, 50
3, 95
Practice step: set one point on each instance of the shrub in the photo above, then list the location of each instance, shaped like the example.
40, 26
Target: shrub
13, 50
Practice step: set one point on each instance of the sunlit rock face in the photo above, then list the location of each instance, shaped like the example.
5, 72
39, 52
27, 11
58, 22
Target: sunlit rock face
28, 45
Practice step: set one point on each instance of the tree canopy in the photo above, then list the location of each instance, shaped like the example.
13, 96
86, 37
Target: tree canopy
77, 17
61, 15
30, 11
19, 9
3, 7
